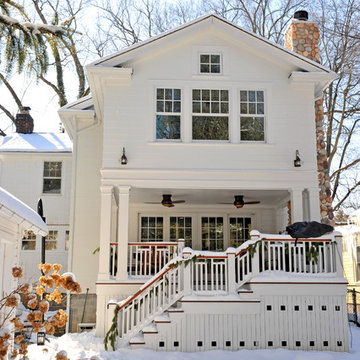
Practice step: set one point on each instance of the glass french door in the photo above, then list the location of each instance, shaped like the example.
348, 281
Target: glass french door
212, 233
181, 228
240, 228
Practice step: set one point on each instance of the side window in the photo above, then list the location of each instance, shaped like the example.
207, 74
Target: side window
67, 239
51, 240
210, 114
252, 115
210, 63
28, 241
52, 177
168, 109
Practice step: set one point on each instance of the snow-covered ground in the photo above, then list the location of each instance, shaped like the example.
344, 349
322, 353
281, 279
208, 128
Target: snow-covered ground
87, 346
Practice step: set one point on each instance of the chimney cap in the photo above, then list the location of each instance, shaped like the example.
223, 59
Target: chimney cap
301, 15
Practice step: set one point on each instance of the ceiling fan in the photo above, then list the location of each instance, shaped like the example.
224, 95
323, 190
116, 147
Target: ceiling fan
166, 201
239, 202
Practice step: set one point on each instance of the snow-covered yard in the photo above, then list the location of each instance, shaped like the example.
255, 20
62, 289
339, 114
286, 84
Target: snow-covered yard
87, 346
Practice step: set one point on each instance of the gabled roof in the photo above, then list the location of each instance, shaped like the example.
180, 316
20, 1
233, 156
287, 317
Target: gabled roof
36, 142
19, 213
115, 59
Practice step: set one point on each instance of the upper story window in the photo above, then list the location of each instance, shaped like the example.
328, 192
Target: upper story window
51, 240
52, 177
29, 241
210, 63
168, 109
210, 120
252, 115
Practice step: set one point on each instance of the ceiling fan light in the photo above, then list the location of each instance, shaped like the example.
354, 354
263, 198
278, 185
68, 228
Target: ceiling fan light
239, 201
166, 201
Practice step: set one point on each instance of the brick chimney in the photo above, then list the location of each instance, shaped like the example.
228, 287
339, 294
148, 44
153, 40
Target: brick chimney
302, 36
24, 122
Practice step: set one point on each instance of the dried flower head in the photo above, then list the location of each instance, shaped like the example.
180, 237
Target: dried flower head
26, 288
45, 268
17, 272
40, 290
18, 325
49, 328
12, 301
14, 354
43, 306
56, 268
23, 348
32, 304
61, 355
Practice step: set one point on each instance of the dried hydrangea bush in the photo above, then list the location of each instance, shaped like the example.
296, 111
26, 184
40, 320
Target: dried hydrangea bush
36, 298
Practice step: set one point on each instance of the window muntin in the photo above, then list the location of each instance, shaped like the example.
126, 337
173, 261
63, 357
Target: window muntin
181, 228
240, 228
152, 228
52, 177
210, 63
67, 240
252, 104
208, 126
28, 241
51, 240
168, 104
212, 233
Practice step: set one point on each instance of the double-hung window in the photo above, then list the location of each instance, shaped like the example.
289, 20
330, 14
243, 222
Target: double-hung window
51, 240
52, 177
252, 115
28, 241
168, 109
210, 114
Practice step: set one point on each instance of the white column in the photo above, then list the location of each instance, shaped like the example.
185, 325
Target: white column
105, 232
123, 232
296, 205
314, 204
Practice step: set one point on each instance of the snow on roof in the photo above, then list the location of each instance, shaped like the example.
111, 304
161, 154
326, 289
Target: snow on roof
16, 211
36, 142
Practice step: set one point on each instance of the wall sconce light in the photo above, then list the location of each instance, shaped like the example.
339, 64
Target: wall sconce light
123, 160
297, 161
40, 338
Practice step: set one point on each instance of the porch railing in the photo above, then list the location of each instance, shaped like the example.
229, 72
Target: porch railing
146, 259
210, 273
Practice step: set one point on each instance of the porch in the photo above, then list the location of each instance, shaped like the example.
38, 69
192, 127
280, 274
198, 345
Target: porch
139, 235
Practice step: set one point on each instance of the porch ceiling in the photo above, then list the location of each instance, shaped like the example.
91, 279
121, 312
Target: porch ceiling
207, 196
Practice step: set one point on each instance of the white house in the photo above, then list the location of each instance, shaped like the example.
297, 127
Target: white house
15, 218
33, 166
204, 133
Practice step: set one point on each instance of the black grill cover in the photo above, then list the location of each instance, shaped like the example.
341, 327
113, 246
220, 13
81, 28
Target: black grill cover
307, 229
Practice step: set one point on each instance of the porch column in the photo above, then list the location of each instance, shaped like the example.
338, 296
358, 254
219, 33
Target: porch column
314, 204
296, 205
105, 232
123, 233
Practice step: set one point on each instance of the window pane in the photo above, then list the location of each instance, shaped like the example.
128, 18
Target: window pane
168, 106
215, 108
204, 58
160, 106
67, 239
215, 69
215, 95
160, 94
243, 108
243, 95
252, 96
205, 108
252, 128
196, 107
224, 108
28, 245
168, 94
52, 186
167, 127
196, 94
224, 95
204, 68
177, 94
260, 96
252, 108
215, 59
205, 95
177, 106
210, 128
260, 109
